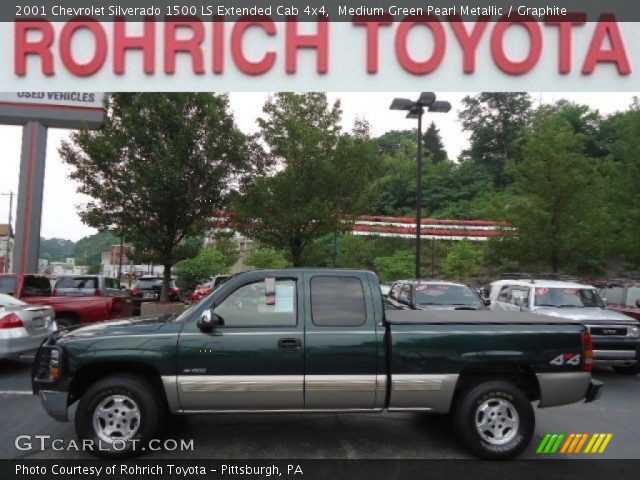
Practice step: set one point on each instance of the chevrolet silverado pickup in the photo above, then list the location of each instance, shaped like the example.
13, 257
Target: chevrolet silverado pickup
299, 340
69, 311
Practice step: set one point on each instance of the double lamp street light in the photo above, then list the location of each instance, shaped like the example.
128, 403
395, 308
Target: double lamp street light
427, 101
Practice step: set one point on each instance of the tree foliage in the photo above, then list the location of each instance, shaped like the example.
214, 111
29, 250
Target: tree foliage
323, 174
267, 258
496, 122
433, 145
557, 199
193, 271
462, 261
394, 267
158, 169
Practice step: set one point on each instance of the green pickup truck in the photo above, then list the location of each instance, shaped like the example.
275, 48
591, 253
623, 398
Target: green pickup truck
301, 340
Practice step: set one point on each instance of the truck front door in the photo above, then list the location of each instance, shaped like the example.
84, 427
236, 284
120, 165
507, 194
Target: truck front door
255, 359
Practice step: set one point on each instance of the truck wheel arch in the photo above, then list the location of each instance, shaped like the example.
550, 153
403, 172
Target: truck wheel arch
91, 373
522, 376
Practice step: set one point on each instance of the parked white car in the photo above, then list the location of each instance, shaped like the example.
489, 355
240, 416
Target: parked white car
616, 337
23, 327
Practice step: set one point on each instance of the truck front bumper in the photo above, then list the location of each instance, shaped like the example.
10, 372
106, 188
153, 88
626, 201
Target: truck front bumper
594, 392
55, 404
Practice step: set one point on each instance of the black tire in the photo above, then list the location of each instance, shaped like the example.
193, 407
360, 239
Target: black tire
628, 369
145, 397
493, 394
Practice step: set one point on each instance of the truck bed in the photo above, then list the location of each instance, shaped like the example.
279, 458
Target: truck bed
426, 317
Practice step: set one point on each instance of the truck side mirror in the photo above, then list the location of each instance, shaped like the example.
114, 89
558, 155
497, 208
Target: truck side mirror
208, 321
486, 301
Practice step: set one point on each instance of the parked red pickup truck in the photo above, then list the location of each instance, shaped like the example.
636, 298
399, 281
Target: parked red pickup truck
36, 289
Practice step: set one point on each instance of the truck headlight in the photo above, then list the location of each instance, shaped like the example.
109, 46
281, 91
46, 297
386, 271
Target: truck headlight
634, 332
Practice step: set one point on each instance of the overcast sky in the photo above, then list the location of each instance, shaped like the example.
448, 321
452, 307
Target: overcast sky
59, 217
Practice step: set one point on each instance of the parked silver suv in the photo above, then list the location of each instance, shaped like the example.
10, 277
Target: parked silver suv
616, 337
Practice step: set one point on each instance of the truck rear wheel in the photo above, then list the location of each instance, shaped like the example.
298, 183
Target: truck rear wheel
119, 415
494, 419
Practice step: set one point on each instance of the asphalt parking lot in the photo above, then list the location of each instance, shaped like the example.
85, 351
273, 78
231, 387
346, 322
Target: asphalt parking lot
345, 436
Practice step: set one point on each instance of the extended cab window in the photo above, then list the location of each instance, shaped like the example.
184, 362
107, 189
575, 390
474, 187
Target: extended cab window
337, 301
250, 306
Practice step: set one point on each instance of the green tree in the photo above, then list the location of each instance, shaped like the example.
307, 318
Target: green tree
623, 178
392, 141
88, 250
496, 122
323, 175
193, 271
557, 198
267, 258
462, 261
58, 249
433, 145
398, 266
158, 169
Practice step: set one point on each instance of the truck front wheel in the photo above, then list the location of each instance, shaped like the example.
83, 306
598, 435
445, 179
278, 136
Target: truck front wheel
119, 415
494, 419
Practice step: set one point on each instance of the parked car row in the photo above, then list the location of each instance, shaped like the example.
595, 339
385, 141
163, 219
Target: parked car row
31, 309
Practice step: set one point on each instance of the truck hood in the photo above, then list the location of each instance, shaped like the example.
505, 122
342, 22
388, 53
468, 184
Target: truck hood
586, 314
123, 326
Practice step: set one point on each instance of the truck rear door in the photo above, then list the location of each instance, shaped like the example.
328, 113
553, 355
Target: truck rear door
255, 360
343, 370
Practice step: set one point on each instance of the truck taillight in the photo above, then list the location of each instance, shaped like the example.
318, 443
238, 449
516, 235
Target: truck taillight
135, 291
97, 292
587, 346
11, 320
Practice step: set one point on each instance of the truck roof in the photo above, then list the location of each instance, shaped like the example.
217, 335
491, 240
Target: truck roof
425, 317
541, 283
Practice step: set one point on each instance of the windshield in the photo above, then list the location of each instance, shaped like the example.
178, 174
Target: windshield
9, 301
568, 297
438, 294
8, 285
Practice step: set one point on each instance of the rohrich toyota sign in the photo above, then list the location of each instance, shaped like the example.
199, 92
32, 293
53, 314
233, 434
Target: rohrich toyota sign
368, 52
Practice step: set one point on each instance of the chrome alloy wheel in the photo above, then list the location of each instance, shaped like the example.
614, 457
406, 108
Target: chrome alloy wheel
497, 421
116, 418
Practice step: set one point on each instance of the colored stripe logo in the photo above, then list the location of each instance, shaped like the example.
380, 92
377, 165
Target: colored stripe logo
573, 443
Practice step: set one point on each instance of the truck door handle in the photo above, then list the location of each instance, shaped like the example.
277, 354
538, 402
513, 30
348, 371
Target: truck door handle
289, 344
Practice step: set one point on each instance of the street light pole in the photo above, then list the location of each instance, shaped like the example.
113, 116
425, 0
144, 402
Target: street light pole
416, 110
419, 196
